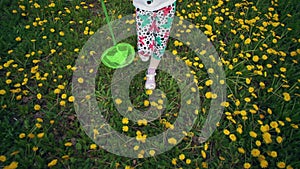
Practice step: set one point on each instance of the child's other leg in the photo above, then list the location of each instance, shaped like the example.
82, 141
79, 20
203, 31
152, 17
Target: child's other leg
145, 38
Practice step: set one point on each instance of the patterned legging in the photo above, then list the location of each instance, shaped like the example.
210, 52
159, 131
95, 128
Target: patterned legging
153, 30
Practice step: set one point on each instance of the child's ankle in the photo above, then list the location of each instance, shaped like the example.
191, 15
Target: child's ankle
151, 70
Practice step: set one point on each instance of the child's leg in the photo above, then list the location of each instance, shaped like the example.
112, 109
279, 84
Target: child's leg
164, 19
145, 36
161, 26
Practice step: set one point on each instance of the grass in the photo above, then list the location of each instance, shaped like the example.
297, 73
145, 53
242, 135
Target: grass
258, 43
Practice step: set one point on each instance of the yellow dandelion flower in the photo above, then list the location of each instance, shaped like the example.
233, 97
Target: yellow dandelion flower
269, 111
226, 132
247, 41
181, 157
273, 154
241, 150
125, 120
80, 80
279, 139
66, 157
255, 152
225, 104
2, 158
282, 69
222, 158
146, 103
39, 96
40, 135
12, 165
188, 161
22, 135
209, 82
18, 39
239, 130
232, 137
51, 121
286, 96
61, 33
127, 167
293, 53
281, 164
247, 165
129, 108
76, 50
136, 148
68, 144
118, 101
8, 81
149, 92
264, 163
169, 125
52, 163
174, 52
125, 128
51, 5
93, 146
258, 143
188, 101
142, 122
247, 99
255, 58
10, 51
248, 80
38, 125
64, 96
288, 119
274, 124
31, 135
208, 95
37, 107
253, 134
204, 164
172, 141
34, 148
160, 101
251, 89
61, 87
141, 137
267, 138
203, 154
281, 123
62, 103
264, 128
174, 161
71, 99
152, 152
211, 71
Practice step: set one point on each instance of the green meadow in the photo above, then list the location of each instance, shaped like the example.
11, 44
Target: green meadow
258, 43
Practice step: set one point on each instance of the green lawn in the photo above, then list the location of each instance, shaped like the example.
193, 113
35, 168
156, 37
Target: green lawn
258, 44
